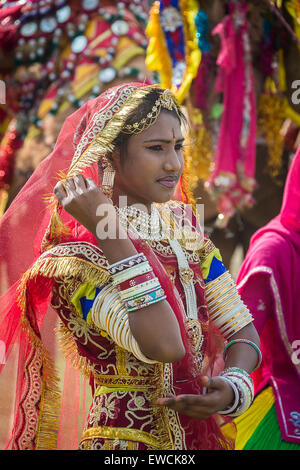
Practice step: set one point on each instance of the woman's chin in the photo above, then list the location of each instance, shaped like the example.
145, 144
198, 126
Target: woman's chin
160, 199
164, 194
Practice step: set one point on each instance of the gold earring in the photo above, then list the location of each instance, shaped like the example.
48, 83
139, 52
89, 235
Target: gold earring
108, 178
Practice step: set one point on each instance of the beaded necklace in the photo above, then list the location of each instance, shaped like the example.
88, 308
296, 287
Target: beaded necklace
148, 226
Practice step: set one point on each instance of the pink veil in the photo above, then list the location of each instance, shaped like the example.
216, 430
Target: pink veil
21, 225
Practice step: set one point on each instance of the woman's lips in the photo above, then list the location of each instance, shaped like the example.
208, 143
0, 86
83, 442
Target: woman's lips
168, 182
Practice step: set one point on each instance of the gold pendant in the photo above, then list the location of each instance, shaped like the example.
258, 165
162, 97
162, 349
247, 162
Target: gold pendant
194, 330
186, 275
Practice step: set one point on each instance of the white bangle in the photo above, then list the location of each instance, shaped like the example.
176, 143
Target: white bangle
130, 273
153, 284
243, 381
126, 260
236, 396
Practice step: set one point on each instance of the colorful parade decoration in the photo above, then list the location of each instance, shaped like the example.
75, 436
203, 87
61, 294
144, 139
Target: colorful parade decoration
173, 50
232, 179
59, 54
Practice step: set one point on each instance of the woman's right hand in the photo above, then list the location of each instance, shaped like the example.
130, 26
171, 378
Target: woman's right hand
81, 198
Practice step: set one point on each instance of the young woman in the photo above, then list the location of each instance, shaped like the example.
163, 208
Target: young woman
143, 299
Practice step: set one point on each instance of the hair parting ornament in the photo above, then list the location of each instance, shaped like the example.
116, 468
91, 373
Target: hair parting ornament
166, 100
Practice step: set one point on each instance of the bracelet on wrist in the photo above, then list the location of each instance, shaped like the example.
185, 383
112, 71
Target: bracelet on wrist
250, 343
244, 385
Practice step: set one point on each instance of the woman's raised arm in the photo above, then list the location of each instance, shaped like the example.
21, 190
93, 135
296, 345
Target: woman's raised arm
154, 327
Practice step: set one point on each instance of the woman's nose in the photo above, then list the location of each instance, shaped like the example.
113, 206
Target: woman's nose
173, 161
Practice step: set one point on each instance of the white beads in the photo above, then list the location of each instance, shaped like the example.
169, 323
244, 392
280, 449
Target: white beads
148, 226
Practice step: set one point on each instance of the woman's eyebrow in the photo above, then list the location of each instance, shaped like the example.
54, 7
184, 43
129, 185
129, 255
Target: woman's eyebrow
163, 140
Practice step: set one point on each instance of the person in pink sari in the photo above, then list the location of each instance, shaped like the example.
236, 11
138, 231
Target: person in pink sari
268, 283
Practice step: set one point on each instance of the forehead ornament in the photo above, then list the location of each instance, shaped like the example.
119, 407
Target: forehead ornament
166, 100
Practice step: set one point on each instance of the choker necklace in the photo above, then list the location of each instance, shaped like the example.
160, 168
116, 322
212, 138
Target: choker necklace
148, 226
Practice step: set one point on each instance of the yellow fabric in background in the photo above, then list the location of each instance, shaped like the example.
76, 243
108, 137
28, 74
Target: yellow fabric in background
247, 423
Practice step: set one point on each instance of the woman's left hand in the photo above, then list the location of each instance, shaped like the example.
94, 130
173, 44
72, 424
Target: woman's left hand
218, 397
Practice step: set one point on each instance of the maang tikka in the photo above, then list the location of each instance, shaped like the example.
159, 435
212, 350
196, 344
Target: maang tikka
108, 177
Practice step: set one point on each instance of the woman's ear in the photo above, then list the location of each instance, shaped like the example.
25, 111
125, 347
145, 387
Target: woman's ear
115, 159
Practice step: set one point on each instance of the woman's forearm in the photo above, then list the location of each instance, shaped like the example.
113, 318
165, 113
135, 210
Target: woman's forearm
155, 327
243, 355
118, 248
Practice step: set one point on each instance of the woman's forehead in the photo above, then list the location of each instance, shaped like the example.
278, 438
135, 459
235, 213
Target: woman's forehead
167, 126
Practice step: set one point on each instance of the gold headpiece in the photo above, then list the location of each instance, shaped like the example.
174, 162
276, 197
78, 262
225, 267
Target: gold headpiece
166, 100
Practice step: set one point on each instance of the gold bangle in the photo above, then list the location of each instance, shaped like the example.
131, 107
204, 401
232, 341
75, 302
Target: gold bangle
113, 311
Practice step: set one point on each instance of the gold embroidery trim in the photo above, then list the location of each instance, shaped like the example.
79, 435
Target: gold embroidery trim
50, 399
114, 381
62, 267
105, 432
121, 355
108, 445
132, 445
49, 418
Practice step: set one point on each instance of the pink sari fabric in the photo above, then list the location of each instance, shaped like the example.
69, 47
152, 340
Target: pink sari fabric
232, 179
269, 284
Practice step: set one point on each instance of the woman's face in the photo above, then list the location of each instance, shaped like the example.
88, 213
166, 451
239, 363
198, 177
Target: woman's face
153, 163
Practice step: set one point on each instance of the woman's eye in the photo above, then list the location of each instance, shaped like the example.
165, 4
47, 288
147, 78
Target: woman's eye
178, 147
156, 148
159, 148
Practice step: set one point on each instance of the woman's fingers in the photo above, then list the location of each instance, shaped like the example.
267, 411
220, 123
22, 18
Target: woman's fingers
217, 395
209, 384
70, 186
197, 406
80, 183
91, 183
186, 401
60, 191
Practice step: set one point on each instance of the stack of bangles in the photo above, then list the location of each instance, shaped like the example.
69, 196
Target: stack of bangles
134, 286
243, 389
240, 382
137, 284
226, 308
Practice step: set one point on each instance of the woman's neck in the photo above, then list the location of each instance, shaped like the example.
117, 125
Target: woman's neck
121, 199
